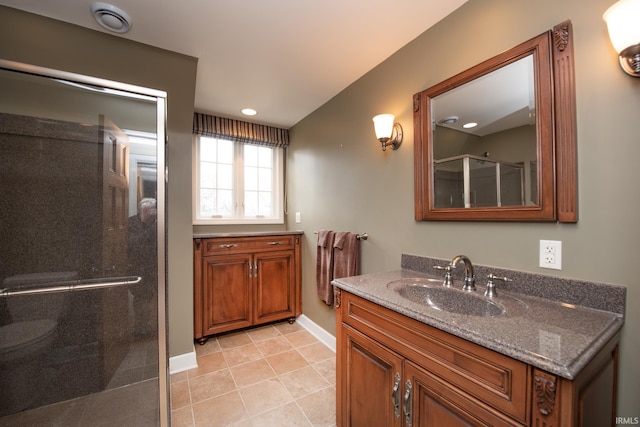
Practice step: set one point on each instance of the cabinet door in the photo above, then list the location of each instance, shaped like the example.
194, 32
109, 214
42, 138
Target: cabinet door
227, 294
433, 402
370, 381
274, 275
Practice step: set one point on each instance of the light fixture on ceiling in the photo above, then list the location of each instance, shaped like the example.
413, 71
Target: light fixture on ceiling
249, 112
469, 125
451, 120
624, 32
388, 132
111, 17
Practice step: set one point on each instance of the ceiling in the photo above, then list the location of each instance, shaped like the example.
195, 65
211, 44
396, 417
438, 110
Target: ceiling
283, 58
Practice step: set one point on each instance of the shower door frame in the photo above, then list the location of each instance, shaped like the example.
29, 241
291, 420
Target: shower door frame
161, 110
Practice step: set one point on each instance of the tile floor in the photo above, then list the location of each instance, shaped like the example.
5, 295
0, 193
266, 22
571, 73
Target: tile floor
275, 375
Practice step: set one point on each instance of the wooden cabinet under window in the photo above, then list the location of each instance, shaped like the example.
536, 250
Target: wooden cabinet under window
242, 281
393, 371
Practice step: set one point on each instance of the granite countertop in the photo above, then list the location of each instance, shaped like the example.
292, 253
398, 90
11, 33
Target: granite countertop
246, 234
558, 337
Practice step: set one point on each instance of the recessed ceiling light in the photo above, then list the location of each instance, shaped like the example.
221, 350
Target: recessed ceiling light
469, 125
111, 17
249, 112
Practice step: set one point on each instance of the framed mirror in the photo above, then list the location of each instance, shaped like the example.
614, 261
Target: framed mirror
497, 141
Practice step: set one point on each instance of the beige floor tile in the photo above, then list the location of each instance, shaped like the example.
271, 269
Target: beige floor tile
301, 338
243, 354
180, 397
276, 375
274, 346
304, 382
234, 339
328, 369
287, 328
287, 362
320, 407
264, 396
211, 385
179, 377
182, 417
251, 373
263, 333
208, 364
211, 346
288, 415
316, 352
219, 411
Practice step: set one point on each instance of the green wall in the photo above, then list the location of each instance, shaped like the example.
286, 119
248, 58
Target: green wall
340, 179
40, 41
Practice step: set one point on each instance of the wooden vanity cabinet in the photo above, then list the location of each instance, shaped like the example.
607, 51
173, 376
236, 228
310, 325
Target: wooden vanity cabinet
396, 371
245, 281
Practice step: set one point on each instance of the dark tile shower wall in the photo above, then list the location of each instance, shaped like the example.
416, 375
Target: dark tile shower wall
50, 191
50, 210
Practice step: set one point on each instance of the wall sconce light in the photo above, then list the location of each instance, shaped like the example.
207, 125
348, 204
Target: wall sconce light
388, 132
624, 31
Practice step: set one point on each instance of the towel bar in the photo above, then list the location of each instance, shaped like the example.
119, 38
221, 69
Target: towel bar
363, 236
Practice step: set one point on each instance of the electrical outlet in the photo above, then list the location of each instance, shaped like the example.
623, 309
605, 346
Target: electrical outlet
298, 218
551, 254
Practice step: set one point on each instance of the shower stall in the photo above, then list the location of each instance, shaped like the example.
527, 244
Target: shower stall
82, 251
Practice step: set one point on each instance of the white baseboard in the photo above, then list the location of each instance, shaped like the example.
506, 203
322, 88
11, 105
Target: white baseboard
184, 362
323, 336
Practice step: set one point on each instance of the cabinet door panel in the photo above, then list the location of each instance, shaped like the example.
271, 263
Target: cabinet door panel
275, 286
370, 373
227, 293
436, 403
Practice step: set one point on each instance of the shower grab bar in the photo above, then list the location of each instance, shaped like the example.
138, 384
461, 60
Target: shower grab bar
77, 285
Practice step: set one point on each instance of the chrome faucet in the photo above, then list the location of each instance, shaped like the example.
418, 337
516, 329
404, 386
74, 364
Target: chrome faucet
469, 275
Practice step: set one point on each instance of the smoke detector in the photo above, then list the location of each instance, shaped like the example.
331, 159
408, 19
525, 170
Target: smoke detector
111, 17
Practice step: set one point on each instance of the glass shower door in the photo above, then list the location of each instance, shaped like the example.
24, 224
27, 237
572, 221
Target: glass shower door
82, 286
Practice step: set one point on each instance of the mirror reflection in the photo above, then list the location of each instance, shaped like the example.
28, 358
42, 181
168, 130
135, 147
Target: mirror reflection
484, 140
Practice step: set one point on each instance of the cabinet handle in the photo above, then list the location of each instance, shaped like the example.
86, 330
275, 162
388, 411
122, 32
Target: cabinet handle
395, 395
228, 246
255, 269
250, 270
274, 243
407, 404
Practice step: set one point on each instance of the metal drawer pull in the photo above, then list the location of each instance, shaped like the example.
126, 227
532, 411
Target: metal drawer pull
228, 246
77, 285
407, 404
274, 243
395, 396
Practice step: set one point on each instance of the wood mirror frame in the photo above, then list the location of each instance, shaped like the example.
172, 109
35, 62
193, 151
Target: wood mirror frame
556, 175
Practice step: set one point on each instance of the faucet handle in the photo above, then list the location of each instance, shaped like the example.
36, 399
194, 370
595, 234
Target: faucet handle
448, 280
491, 287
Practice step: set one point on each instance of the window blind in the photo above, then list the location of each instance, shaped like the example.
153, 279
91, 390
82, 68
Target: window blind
239, 131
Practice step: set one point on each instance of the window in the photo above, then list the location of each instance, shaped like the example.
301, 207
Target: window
237, 183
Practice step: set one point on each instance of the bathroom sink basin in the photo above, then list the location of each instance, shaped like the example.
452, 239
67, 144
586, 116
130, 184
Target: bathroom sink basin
431, 293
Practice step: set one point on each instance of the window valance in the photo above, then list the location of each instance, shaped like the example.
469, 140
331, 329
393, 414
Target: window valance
239, 131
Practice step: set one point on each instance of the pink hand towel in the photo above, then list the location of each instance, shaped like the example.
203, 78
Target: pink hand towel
346, 255
324, 266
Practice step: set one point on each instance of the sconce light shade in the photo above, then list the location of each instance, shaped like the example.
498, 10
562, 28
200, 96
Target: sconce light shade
387, 132
622, 20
